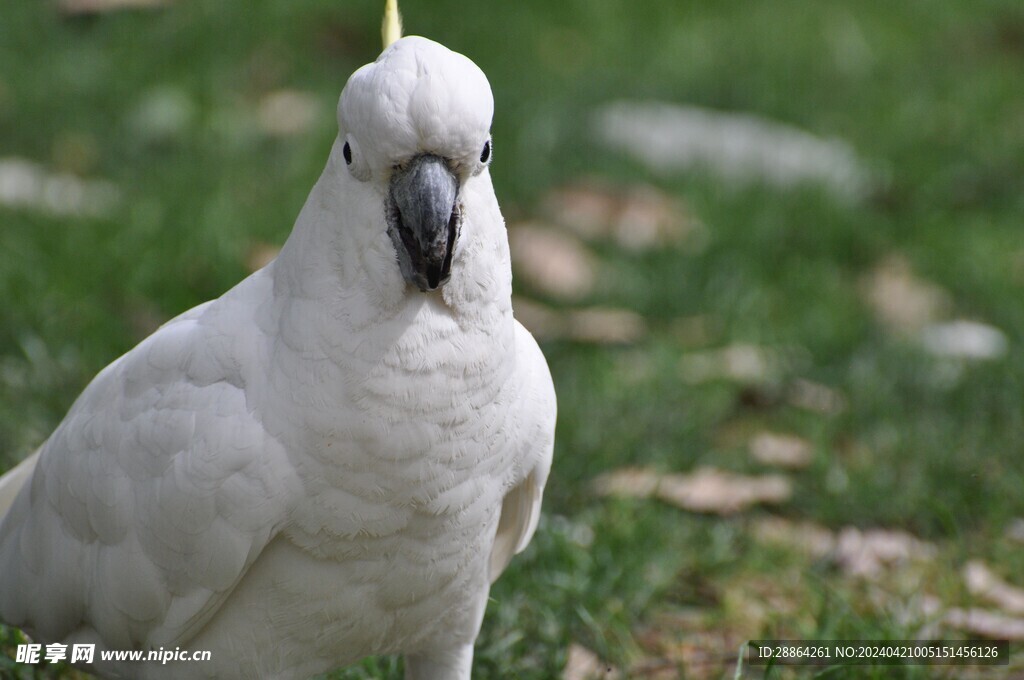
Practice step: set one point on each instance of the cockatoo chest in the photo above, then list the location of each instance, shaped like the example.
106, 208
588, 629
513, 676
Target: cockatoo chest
405, 460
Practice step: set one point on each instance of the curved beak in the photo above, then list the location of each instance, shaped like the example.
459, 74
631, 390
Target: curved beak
423, 220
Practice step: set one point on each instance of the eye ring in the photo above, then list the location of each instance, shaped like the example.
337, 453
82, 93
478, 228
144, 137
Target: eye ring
485, 155
354, 160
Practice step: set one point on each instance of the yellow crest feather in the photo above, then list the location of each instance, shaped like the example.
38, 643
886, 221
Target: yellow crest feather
391, 28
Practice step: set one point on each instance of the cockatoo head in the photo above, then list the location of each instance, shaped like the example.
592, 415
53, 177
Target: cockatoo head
416, 122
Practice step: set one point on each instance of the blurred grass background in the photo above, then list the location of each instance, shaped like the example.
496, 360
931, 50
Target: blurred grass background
165, 105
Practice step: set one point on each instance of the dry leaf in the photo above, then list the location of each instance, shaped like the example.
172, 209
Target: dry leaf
543, 322
964, 340
583, 664
606, 326
627, 483
983, 582
812, 396
981, 622
900, 300
1015, 532
738, 148
783, 450
287, 112
259, 255
24, 184
807, 537
80, 7
723, 493
551, 262
598, 325
636, 218
929, 606
867, 554
740, 363
706, 490
859, 553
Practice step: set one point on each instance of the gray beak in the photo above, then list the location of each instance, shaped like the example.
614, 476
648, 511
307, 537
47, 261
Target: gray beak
423, 220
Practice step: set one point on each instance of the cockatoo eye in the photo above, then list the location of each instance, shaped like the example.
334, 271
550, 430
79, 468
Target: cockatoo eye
485, 155
354, 159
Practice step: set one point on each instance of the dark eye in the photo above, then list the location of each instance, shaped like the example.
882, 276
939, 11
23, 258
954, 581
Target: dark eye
486, 153
346, 151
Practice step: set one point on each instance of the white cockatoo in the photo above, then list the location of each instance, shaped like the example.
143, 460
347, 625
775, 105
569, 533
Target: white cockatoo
334, 459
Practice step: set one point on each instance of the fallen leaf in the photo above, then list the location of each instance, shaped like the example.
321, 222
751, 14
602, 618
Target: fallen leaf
806, 537
544, 322
598, 325
627, 483
705, 490
737, 148
782, 450
284, 113
83, 7
929, 606
964, 340
637, 217
583, 664
573, 530
981, 622
983, 582
1015, 532
606, 326
815, 397
901, 301
858, 553
552, 262
28, 185
869, 553
739, 363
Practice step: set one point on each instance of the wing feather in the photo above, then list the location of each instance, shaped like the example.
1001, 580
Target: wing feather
520, 510
151, 500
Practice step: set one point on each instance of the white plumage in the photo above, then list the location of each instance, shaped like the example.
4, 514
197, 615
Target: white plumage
326, 462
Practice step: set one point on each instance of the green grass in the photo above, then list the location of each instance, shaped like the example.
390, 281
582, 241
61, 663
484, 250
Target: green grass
929, 93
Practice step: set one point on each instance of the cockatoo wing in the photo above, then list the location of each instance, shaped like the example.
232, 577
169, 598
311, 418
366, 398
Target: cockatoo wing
153, 497
520, 510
